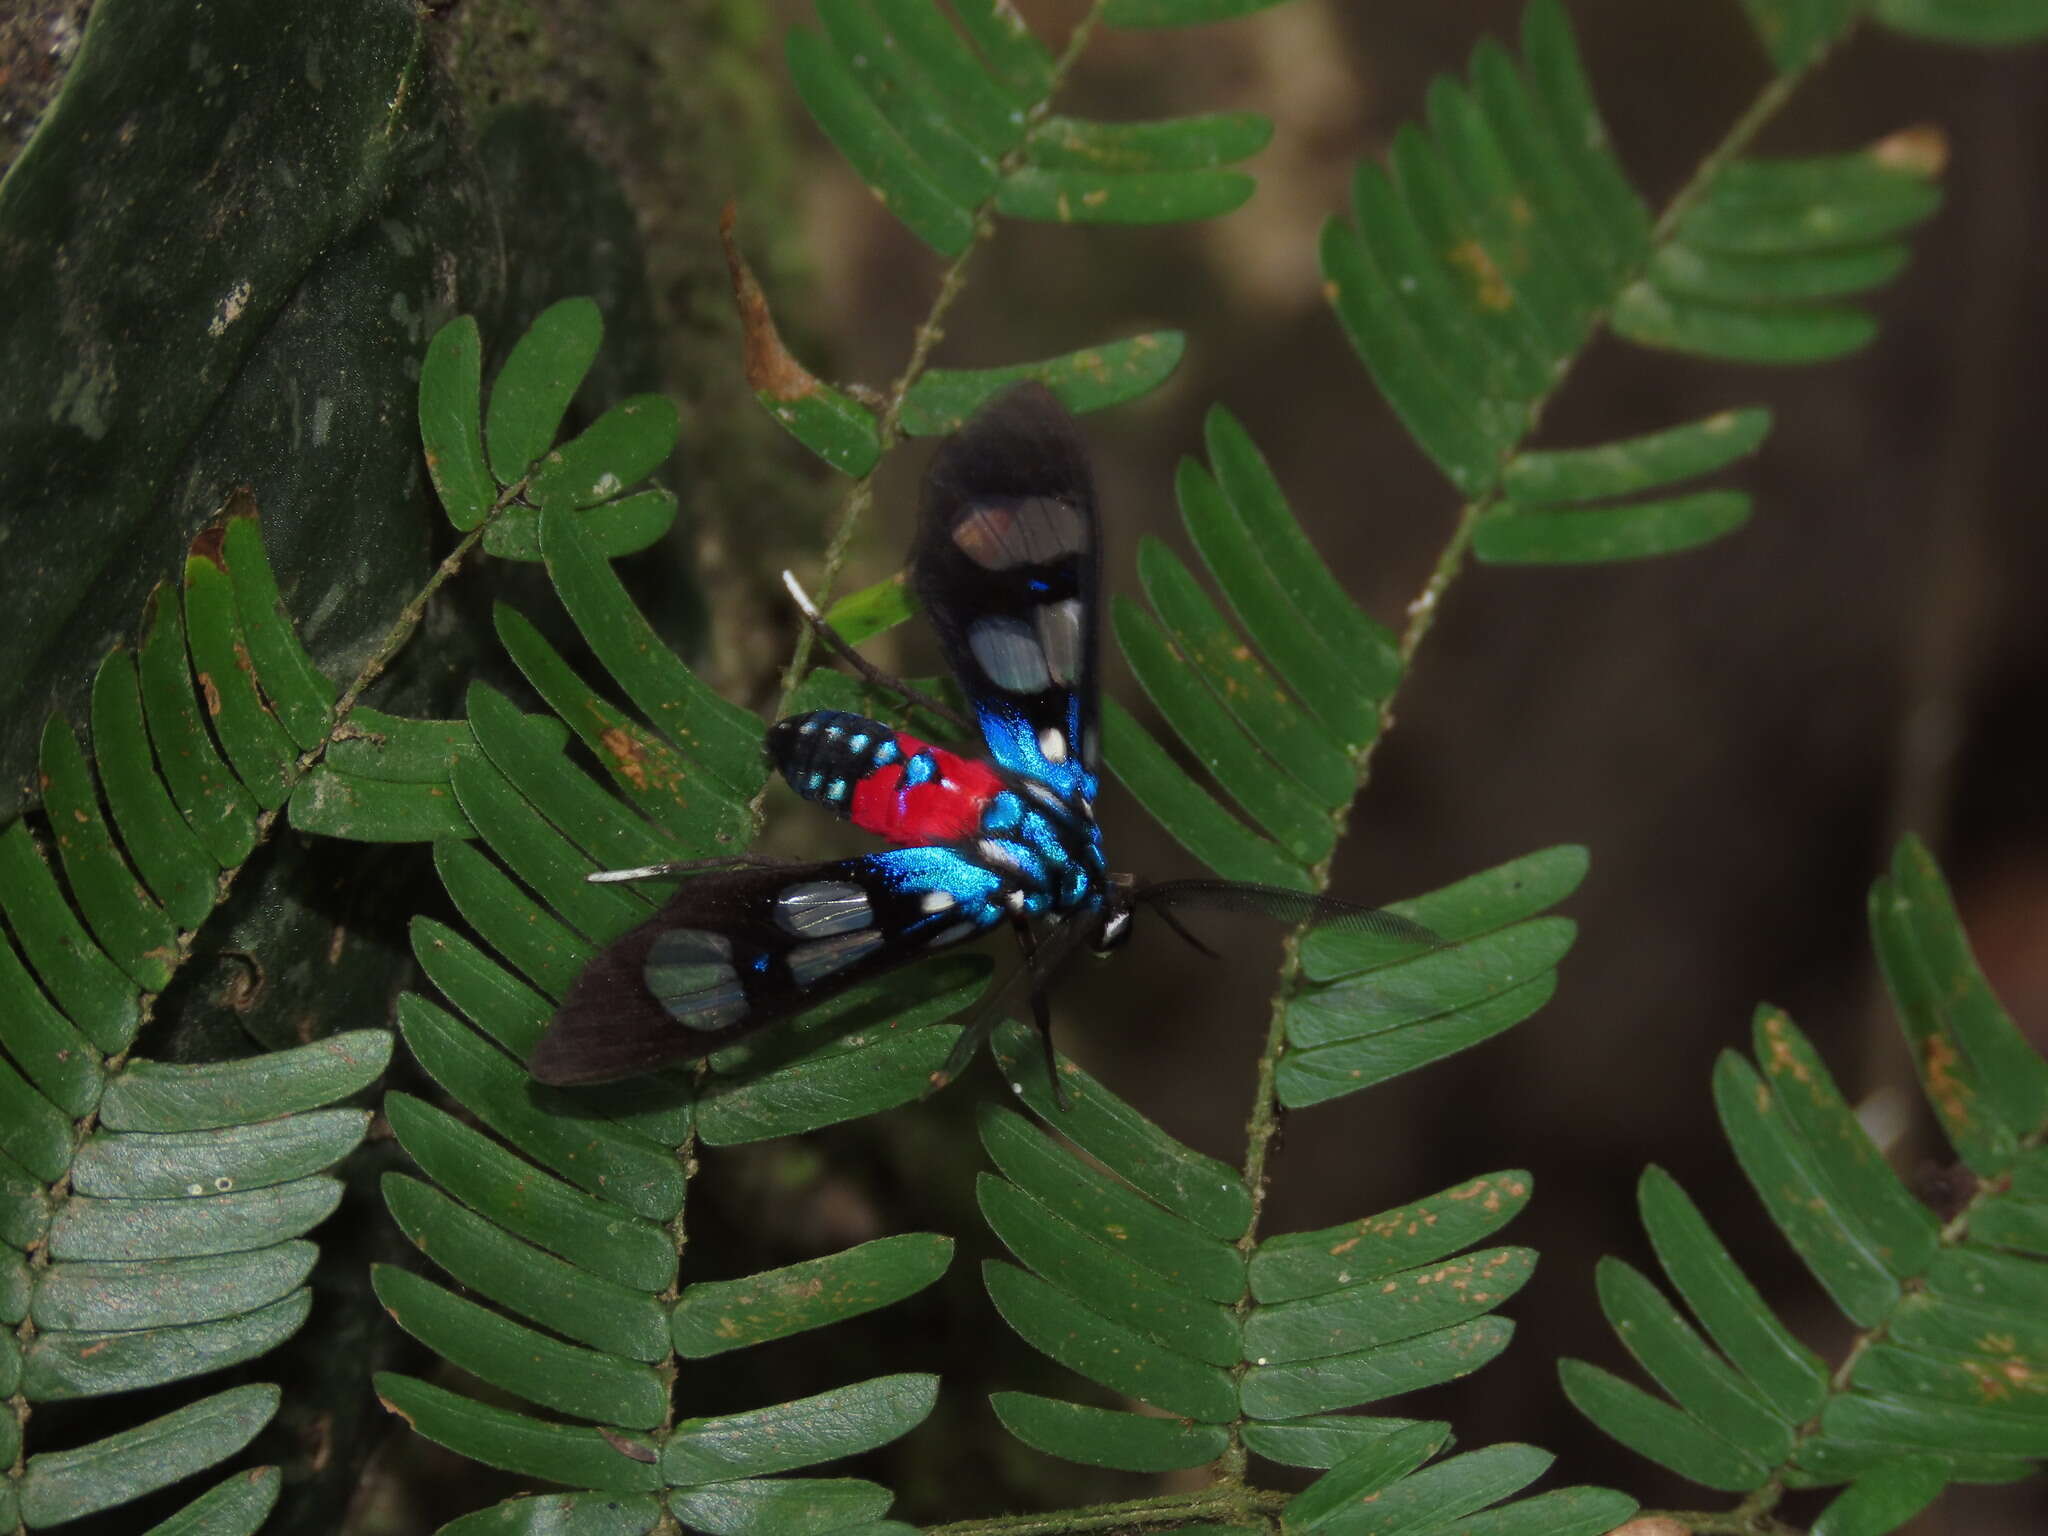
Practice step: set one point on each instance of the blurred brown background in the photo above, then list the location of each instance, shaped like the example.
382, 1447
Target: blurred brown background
1738, 734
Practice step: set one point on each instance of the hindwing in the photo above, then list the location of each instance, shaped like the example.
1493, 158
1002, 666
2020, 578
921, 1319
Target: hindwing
740, 949
1007, 564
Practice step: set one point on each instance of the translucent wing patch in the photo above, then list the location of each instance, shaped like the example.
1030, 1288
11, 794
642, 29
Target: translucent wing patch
740, 949
1007, 564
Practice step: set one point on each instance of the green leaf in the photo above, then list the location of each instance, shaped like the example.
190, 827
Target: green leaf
172, 860
451, 422
1204, 1191
73, 1365
1104, 1437
1092, 379
563, 1514
713, 1317
1933, 1425
844, 1422
1792, 1377
513, 923
1796, 32
497, 1437
256, 743
616, 528
1514, 535
1683, 1365
166, 1294
893, 171
1363, 1476
834, 426
1346, 1381
1449, 1490
1653, 1428
1781, 1169
1808, 334
723, 737
217, 807
80, 979
50, 1053
153, 1096
1297, 1264
584, 1148
67, 1485
1983, 22
1465, 909
1047, 1319
302, 695
541, 375
797, 1506
1386, 1308
1110, 1211
331, 803
236, 1506
33, 1131
1281, 589
1020, 63
1725, 277
1631, 466
1085, 196
1964, 1042
593, 1234
584, 1383
1885, 1498
1561, 1512
624, 445
1320, 1443
873, 609
562, 1297
1292, 741
545, 861
946, 69
1232, 757
1189, 813
1327, 1072
1104, 1281
1437, 982
1903, 1232
193, 1164
1193, 143
234, 1222
1179, 13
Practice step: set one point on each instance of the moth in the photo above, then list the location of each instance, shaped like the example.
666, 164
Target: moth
1007, 563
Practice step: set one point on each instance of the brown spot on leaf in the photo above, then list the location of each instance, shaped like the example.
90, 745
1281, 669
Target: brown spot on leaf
1950, 1093
1476, 262
627, 1447
771, 369
212, 693
625, 752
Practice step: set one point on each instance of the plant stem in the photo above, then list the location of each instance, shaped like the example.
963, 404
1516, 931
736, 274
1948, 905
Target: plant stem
1129, 1514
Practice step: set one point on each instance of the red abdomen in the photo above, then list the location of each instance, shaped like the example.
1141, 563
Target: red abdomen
881, 780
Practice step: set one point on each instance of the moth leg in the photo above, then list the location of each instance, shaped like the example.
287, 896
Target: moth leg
836, 643
1041, 1008
688, 867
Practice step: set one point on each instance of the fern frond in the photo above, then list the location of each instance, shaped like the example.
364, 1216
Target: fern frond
154, 1215
1937, 1386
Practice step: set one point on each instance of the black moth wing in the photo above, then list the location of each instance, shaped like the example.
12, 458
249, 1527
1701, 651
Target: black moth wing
736, 951
1008, 566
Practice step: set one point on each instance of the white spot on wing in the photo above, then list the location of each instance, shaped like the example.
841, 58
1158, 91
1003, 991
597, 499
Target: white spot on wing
1005, 649
1052, 744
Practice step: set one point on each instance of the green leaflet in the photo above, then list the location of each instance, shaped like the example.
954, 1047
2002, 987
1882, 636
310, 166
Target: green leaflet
148, 1096
531, 393
65, 1485
1089, 380
1297, 1264
844, 1422
1102, 1437
1360, 1477
516, 1442
1480, 259
1758, 261
713, 1317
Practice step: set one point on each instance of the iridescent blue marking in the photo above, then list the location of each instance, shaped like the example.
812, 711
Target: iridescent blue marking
857, 742
921, 769
1013, 743
760, 961
812, 782
837, 790
938, 868
1002, 814
887, 753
